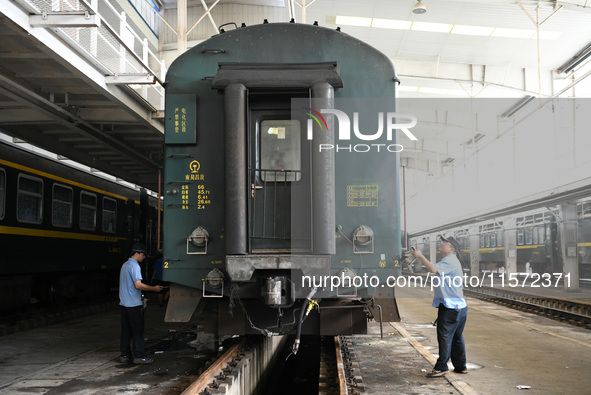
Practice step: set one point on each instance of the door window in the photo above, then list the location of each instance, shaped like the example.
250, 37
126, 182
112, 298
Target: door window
280, 150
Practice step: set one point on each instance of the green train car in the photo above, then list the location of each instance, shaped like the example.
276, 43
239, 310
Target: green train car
64, 232
584, 240
282, 208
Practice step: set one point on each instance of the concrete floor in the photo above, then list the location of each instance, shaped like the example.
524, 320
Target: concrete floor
392, 366
81, 357
507, 348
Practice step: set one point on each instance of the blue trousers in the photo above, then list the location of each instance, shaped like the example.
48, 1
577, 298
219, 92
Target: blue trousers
450, 328
132, 327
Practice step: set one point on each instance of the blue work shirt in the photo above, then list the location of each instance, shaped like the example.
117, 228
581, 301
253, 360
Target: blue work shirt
129, 295
450, 291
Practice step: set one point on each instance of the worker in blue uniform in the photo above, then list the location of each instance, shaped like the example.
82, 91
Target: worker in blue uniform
452, 311
132, 311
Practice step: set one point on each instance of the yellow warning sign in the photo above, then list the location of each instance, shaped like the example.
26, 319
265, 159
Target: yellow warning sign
362, 195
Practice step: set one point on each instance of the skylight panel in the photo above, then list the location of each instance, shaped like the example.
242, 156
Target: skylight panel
391, 24
353, 21
431, 27
513, 33
468, 30
472, 30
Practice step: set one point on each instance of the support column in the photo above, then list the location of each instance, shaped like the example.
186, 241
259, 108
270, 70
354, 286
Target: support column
567, 229
323, 187
474, 251
181, 27
510, 243
433, 249
235, 172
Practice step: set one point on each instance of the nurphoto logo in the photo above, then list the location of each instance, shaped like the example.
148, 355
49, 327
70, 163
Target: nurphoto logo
392, 120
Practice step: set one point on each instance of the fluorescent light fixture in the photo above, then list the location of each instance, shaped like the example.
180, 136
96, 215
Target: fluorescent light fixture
441, 27
423, 89
520, 105
353, 21
431, 27
456, 92
438, 91
472, 30
576, 60
477, 138
513, 33
408, 88
391, 24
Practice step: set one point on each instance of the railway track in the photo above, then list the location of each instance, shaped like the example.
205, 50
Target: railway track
32, 316
241, 368
350, 379
568, 311
326, 365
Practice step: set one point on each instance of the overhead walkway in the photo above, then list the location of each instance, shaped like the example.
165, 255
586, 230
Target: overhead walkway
78, 80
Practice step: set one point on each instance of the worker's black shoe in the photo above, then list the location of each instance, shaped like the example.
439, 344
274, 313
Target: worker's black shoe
143, 361
124, 359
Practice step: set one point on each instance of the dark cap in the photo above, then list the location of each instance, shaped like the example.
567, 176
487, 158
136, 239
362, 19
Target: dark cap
454, 242
139, 247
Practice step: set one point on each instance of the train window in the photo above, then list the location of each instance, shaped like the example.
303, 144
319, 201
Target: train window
109, 215
535, 235
87, 211
500, 238
61, 207
493, 240
281, 150
481, 241
2, 192
541, 235
528, 236
520, 237
29, 205
487, 240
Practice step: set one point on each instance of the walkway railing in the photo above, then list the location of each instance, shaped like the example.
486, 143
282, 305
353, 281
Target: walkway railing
108, 42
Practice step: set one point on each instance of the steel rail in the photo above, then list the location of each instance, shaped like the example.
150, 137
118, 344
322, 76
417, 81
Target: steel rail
208, 377
343, 390
535, 306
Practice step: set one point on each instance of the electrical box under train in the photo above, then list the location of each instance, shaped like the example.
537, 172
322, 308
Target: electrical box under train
282, 208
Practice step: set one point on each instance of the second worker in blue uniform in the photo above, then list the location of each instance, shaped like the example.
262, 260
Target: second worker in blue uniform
452, 311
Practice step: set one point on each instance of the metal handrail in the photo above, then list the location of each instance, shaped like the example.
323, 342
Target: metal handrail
273, 183
118, 50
